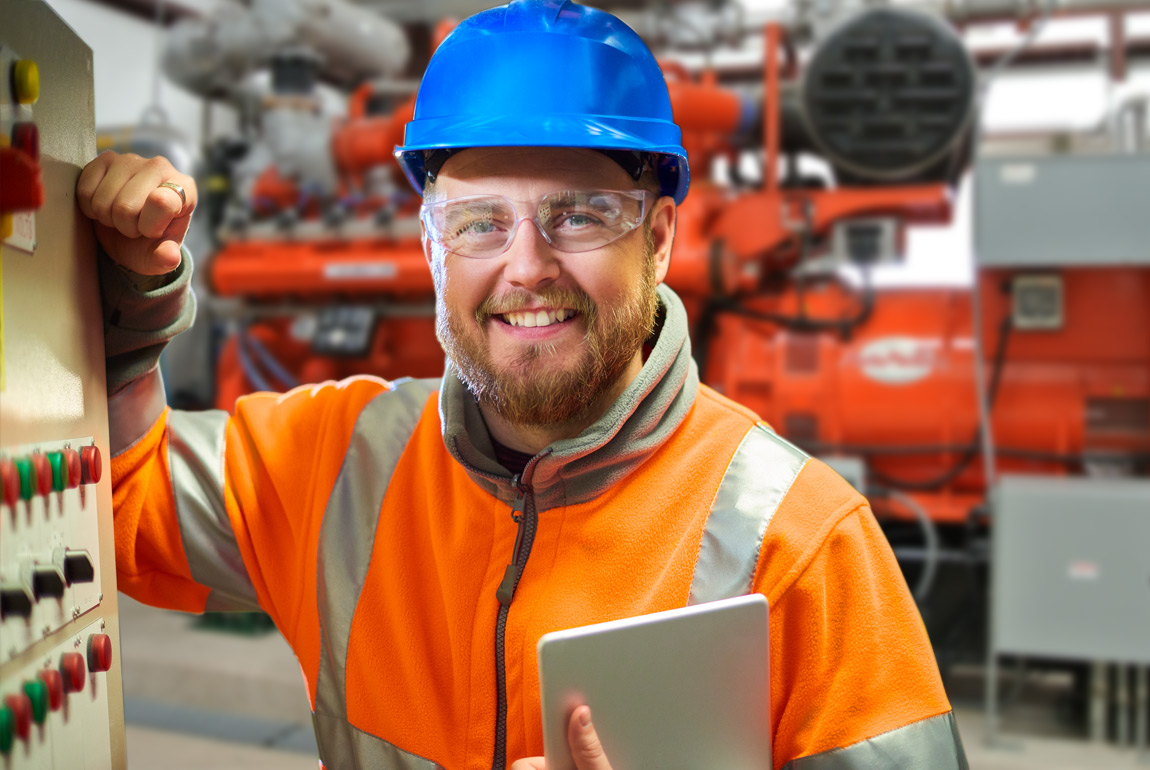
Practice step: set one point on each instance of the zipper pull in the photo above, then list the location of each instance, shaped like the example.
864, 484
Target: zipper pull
506, 590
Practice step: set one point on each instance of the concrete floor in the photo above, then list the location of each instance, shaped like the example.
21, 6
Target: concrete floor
196, 699
150, 748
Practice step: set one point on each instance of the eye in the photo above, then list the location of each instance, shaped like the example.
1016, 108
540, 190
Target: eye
475, 227
576, 220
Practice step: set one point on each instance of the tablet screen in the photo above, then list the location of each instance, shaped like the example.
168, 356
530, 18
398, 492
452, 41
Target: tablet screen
687, 688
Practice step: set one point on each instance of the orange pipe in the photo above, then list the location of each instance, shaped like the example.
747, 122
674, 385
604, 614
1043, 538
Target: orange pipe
771, 127
705, 108
360, 144
364, 266
753, 226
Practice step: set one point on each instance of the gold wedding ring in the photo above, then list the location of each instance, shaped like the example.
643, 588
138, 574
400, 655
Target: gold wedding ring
177, 188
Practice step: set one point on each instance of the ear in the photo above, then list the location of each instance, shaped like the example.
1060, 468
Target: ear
663, 217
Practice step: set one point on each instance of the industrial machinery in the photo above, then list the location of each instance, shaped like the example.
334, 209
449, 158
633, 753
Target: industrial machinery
316, 226
61, 703
901, 389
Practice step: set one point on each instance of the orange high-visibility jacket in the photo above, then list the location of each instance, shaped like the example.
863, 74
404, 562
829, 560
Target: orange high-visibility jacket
373, 524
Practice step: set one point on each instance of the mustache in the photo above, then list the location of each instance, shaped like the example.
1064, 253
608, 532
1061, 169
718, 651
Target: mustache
514, 301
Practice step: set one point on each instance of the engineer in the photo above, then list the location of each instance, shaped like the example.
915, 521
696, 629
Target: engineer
413, 540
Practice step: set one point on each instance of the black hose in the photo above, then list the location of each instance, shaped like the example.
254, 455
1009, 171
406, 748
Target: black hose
800, 323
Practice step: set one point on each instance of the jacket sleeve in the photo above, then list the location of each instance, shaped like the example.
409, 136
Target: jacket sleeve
222, 512
215, 511
854, 682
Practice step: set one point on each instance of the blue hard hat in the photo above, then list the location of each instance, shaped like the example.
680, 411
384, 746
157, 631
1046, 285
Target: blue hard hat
545, 73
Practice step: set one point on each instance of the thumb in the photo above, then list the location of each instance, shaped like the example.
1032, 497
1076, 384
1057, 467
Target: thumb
144, 256
584, 741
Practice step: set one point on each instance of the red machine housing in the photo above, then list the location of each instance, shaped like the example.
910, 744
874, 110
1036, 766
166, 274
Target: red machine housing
900, 392
896, 387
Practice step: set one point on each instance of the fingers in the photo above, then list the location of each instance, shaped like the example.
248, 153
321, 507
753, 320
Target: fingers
584, 741
90, 179
123, 192
529, 763
162, 205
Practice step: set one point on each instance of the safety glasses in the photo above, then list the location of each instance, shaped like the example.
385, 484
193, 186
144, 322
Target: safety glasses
572, 221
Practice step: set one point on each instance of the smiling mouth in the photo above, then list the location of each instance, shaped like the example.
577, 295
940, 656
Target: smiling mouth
536, 318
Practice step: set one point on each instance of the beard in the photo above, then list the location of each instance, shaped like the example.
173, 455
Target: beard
532, 389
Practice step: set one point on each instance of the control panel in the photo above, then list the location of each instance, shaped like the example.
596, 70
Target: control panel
61, 694
49, 539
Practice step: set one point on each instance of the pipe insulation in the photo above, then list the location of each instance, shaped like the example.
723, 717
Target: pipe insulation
210, 56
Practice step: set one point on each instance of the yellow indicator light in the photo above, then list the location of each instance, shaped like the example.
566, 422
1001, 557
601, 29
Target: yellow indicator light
26, 78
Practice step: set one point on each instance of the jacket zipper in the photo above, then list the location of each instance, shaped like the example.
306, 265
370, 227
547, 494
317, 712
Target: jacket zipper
526, 522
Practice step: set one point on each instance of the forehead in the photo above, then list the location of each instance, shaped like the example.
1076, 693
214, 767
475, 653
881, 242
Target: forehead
526, 172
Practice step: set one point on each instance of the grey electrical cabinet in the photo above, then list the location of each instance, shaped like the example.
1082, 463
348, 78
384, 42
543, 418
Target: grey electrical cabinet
1062, 210
1071, 562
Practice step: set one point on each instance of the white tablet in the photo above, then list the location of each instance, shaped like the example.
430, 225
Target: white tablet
687, 688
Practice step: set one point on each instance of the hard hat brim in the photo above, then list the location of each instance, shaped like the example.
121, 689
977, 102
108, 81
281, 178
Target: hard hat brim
592, 132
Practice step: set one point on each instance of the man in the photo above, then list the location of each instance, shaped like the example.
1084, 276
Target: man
412, 541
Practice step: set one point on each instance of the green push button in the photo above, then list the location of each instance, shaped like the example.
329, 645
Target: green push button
27, 477
59, 471
7, 729
37, 692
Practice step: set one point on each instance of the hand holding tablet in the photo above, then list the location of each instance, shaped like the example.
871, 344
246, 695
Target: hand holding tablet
687, 688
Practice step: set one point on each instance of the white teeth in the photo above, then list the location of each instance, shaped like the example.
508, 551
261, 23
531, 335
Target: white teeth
538, 318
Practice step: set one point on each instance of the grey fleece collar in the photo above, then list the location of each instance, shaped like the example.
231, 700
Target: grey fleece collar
576, 470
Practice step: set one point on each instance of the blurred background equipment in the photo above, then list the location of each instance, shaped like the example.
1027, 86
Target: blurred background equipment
61, 703
1000, 424
859, 122
317, 230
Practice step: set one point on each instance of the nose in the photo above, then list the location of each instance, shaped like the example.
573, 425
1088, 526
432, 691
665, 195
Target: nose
529, 261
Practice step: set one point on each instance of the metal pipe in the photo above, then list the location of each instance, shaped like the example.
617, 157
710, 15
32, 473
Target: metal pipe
1142, 715
930, 542
980, 11
1098, 700
1122, 706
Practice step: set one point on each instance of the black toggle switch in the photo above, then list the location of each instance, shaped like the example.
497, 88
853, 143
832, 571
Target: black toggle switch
78, 567
47, 580
15, 602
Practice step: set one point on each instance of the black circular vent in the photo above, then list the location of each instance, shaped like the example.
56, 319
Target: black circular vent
889, 94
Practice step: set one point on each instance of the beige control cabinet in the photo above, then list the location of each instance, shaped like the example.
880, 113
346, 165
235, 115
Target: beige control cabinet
61, 700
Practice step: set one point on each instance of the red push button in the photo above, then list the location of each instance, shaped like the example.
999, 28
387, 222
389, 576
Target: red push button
43, 472
72, 461
99, 653
91, 467
23, 190
26, 137
74, 671
9, 482
22, 715
55, 684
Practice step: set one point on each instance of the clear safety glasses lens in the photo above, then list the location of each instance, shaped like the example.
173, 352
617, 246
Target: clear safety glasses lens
573, 221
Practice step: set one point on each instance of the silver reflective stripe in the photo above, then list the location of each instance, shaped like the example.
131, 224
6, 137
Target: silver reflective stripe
757, 479
196, 461
134, 410
367, 751
346, 539
932, 743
